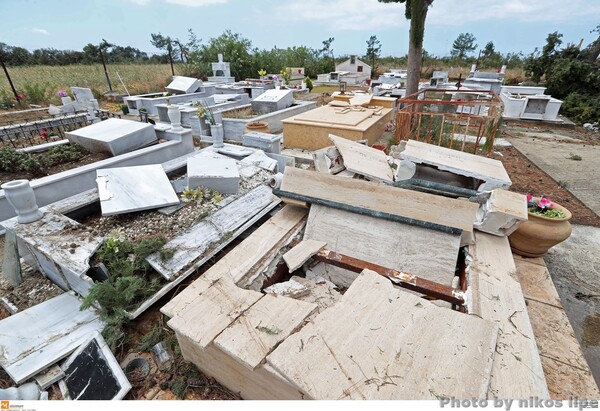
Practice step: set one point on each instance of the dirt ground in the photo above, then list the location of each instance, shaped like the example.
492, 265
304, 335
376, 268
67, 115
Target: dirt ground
527, 178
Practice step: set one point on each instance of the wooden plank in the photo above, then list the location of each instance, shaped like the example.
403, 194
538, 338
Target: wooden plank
394, 245
262, 327
192, 244
389, 345
212, 311
364, 160
263, 383
238, 263
41, 335
301, 253
517, 370
380, 198
489, 170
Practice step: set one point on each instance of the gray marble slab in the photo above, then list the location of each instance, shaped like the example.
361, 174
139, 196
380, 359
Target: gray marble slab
192, 245
260, 159
273, 100
43, 334
114, 136
220, 174
60, 247
128, 189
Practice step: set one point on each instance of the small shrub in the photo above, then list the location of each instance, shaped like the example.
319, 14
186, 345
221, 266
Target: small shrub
309, 84
36, 93
129, 283
574, 157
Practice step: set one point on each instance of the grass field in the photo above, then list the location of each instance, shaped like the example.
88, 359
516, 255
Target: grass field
43, 82
40, 84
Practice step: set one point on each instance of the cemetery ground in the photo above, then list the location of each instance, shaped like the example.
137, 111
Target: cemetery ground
183, 380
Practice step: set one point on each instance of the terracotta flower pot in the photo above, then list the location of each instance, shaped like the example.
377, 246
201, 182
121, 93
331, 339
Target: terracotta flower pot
259, 126
535, 237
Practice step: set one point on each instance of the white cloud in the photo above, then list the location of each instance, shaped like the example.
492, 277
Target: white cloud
457, 13
196, 3
360, 15
351, 15
40, 31
140, 2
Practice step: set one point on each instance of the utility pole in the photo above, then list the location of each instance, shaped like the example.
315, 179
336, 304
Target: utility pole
104, 65
8, 77
170, 48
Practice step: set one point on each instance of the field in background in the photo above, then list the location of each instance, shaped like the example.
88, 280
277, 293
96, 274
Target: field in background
40, 84
45, 81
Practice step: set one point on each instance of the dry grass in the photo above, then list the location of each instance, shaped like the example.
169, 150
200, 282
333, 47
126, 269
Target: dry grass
138, 78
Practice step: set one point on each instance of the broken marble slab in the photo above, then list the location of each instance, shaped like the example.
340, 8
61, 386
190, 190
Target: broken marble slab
328, 160
114, 136
364, 160
93, 373
200, 239
183, 85
260, 159
128, 189
301, 253
282, 161
11, 266
491, 172
234, 151
61, 248
180, 184
219, 174
269, 143
49, 376
502, 213
44, 334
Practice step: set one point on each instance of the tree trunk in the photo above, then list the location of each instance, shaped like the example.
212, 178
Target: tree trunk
415, 46
594, 51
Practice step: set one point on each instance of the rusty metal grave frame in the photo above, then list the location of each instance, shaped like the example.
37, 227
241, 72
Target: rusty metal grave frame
445, 117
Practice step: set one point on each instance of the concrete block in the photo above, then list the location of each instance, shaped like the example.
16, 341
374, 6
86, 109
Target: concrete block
273, 100
269, 143
219, 174
114, 136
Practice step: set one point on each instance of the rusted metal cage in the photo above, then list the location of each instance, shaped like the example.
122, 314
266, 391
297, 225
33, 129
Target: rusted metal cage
450, 118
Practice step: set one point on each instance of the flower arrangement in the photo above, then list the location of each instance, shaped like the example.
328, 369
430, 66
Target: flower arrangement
206, 113
286, 75
262, 72
62, 93
543, 207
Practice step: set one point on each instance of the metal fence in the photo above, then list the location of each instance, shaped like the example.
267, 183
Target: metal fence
455, 119
27, 133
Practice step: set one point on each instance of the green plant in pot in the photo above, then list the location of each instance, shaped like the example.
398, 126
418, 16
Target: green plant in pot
547, 225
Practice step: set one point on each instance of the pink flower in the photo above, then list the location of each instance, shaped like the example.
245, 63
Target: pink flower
544, 203
529, 197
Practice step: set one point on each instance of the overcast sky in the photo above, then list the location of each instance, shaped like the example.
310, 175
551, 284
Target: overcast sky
513, 25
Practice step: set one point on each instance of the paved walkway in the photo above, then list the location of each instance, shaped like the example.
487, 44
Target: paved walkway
567, 372
554, 153
574, 265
